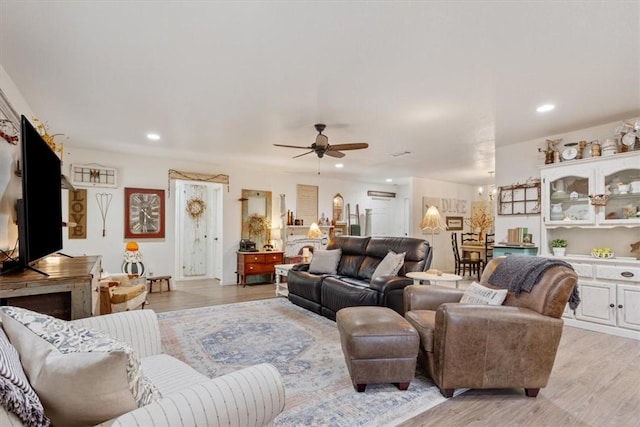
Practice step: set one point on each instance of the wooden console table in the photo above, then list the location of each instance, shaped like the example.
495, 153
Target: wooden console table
257, 263
69, 292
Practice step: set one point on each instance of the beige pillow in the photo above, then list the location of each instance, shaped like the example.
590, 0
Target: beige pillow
478, 294
82, 377
390, 265
325, 261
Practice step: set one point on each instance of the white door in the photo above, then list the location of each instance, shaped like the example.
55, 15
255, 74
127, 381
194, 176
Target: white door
597, 302
629, 306
197, 224
380, 216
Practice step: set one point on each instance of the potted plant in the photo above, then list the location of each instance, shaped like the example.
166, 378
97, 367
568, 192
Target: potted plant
559, 246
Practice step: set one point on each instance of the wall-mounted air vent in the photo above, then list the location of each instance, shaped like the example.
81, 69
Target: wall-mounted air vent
400, 153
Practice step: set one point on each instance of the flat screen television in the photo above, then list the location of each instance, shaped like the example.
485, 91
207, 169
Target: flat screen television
39, 212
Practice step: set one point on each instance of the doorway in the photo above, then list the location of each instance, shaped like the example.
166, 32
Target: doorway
198, 230
381, 217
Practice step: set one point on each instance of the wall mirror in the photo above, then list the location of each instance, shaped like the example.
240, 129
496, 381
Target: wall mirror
256, 216
338, 209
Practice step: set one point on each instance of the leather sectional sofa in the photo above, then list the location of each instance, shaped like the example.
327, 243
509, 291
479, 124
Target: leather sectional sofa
351, 286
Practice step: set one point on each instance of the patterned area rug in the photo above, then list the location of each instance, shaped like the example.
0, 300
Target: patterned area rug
305, 347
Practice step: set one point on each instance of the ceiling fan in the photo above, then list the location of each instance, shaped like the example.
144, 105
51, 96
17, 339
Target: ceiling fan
322, 146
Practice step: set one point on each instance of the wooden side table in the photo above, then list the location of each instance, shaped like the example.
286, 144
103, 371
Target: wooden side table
160, 279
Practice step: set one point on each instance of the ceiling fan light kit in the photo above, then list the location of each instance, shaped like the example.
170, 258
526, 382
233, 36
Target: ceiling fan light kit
322, 146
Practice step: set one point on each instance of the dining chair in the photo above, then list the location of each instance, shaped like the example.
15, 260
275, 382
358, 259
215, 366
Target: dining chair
489, 241
462, 264
469, 238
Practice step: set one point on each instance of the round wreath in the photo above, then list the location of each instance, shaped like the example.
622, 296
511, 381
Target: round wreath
196, 207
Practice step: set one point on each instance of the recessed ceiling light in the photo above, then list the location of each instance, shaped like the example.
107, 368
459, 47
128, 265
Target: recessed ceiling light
339, 165
388, 180
544, 108
153, 136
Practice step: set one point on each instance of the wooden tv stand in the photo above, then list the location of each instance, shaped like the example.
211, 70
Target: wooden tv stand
69, 292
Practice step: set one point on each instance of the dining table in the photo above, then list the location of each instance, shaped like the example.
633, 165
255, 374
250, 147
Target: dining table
469, 249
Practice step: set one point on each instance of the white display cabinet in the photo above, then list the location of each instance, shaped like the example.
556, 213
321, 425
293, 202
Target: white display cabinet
595, 203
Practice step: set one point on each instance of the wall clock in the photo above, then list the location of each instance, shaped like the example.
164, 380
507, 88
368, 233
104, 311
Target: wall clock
143, 213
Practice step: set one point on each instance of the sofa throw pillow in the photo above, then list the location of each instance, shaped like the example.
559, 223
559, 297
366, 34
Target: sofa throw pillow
325, 261
82, 376
390, 265
16, 394
478, 294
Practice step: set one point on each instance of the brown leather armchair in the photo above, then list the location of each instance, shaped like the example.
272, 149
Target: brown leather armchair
483, 347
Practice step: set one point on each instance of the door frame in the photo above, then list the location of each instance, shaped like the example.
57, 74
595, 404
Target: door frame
215, 260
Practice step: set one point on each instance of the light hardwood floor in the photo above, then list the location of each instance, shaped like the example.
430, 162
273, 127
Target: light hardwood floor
595, 380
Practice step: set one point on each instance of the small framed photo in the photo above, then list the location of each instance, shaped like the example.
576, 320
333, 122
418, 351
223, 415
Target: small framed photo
454, 223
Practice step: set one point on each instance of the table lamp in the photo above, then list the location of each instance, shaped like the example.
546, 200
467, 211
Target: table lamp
314, 232
432, 220
275, 238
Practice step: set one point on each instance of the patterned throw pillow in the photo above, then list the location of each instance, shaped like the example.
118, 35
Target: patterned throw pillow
390, 265
16, 394
478, 294
82, 376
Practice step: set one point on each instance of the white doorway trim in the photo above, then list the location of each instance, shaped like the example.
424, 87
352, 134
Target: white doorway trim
204, 259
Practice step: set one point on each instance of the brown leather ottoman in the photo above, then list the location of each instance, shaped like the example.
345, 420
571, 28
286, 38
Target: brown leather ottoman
379, 346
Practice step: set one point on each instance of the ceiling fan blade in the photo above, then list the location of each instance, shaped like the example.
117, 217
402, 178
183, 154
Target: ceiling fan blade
334, 153
292, 146
303, 154
353, 146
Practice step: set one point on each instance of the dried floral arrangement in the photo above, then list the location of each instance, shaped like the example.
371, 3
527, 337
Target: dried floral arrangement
43, 130
196, 207
481, 219
257, 225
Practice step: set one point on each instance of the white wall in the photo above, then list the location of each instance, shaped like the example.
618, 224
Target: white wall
151, 172
147, 171
516, 163
442, 250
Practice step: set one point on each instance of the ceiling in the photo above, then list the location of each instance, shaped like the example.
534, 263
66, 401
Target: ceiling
444, 81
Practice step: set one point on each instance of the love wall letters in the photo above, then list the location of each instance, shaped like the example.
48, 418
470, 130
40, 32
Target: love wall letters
78, 214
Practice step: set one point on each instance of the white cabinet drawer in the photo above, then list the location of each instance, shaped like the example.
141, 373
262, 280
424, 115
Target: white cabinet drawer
582, 270
625, 274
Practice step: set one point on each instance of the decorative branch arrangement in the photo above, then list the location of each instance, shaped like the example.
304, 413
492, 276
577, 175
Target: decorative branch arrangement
481, 219
43, 130
258, 224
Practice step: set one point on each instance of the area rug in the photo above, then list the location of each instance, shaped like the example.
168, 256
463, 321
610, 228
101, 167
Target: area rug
305, 348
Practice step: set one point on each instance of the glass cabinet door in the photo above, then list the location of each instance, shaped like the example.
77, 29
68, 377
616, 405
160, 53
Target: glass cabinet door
568, 199
622, 190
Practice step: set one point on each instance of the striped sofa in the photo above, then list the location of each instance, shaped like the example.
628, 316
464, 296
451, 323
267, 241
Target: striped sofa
249, 397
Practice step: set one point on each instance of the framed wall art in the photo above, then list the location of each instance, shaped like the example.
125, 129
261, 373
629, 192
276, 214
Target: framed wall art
94, 175
143, 213
454, 223
519, 199
307, 203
